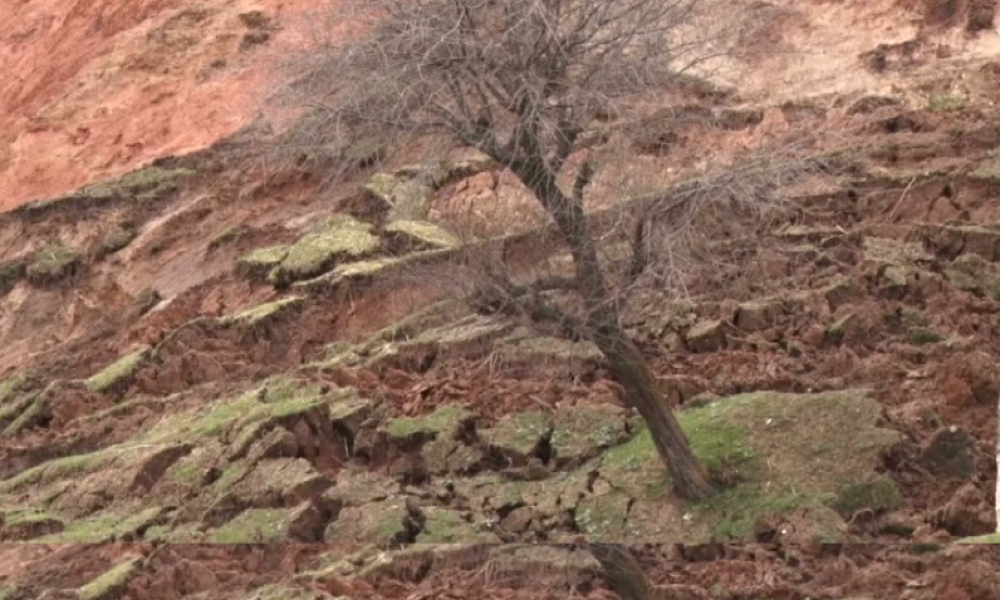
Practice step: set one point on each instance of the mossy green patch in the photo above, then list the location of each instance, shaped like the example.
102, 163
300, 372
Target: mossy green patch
519, 433
920, 336
260, 262
990, 538
103, 527
115, 240
945, 102
443, 420
118, 374
540, 348
9, 387
149, 183
10, 272
316, 252
278, 397
252, 526
53, 263
56, 469
973, 273
777, 453
581, 431
423, 233
265, 313
376, 523
444, 526
110, 582
29, 413
406, 198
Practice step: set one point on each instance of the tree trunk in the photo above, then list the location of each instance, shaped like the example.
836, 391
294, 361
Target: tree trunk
632, 371
627, 363
622, 571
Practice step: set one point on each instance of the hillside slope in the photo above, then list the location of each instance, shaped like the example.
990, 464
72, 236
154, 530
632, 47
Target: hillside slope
199, 354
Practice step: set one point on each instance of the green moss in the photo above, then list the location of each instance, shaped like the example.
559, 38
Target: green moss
443, 526
110, 582
118, 374
991, 538
149, 183
423, 233
944, 102
264, 313
253, 526
920, 337
9, 388
580, 431
29, 515
878, 494
316, 252
53, 263
228, 235
277, 398
443, 420
406, 198
260, 262
56, 469
519, 433
35, 408
115, 240
10, 272
103, 527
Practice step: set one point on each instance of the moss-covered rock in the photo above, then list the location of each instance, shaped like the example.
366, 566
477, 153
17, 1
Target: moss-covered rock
150, 183
405, 198
269, 525
444, 526
114, 240
111, 582
444, 421
579, 432
27, 524
104, 527
53, 263
383, 522
416, 235
339, 237
518, 435
11, 271
118, 375
971, 272
264, 314
259, 263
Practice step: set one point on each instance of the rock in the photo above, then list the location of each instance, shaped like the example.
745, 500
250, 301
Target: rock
893, 281
949, 454
755, 316
815, 335
446, 455
579, 432
518, 435
707, 336
966, 514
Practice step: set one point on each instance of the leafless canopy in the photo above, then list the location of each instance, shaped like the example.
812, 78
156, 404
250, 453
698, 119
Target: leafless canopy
515, 79
538, 85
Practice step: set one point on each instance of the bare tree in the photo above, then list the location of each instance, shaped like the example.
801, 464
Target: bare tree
533, 84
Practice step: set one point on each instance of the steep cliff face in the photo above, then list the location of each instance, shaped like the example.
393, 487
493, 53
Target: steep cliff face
95, 88
205, 351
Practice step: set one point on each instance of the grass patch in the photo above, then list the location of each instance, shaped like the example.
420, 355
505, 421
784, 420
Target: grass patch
32, 410
145, 184
115, 240
118, 374
990, 538
260, 262
56, 469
